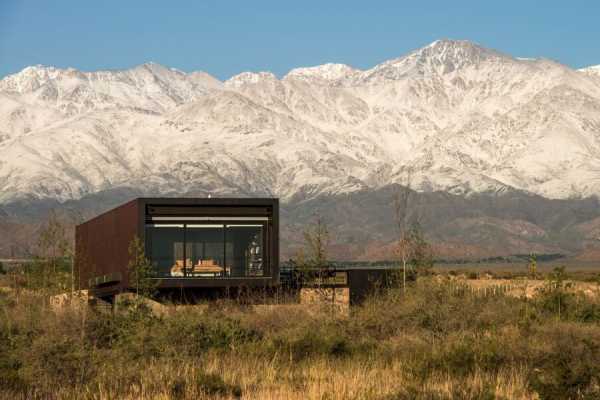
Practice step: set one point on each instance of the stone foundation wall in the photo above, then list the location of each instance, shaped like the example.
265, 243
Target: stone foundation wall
337, 297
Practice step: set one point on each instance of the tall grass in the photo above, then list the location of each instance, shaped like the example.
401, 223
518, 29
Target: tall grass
428, 342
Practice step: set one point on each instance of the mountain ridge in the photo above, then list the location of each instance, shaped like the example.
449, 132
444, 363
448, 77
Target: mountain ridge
451, 116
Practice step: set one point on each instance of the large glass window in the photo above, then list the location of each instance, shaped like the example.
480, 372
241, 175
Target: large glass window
207, 250
164, 248
245, 250
207, 253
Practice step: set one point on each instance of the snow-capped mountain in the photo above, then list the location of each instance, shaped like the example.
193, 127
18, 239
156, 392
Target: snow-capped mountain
593, 70
327, 73
452, 116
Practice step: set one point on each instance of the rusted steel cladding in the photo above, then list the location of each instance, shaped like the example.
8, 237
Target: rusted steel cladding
102, 243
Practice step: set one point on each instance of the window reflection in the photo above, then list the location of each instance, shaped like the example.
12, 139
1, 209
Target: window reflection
246, 250
164, 248
211, 250
207, 254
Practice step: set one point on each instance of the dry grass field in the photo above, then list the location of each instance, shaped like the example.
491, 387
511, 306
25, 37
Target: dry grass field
430, 341
576, 268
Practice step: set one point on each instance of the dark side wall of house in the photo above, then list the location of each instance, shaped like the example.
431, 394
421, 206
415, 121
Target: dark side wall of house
102, 244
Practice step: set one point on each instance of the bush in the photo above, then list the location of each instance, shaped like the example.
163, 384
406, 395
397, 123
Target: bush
412, 392
216, 334
102, 331
177, 389
569, 369
312, 343
492, 354
456, 359
587, 312
214, 385
10, 377
61, 360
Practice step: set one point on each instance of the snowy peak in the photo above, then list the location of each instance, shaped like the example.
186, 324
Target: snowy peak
250, 78
593, 70
327, 72
438, 58
149, 86
30, 78
461, 52
149, 69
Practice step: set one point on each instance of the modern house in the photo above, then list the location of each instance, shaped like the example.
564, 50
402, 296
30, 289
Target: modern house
193, 244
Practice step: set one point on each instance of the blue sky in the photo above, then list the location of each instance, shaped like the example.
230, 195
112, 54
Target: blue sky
224, 37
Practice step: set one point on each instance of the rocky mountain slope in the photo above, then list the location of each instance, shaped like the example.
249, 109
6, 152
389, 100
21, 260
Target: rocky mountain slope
452, 117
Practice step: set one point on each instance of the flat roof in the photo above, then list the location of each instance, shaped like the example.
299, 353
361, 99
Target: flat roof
199, 201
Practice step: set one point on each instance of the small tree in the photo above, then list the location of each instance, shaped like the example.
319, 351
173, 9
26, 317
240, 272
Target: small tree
140, 269
53, 241
312, 261
403, 248
532, 266
411, 247
420, 250
555, 293
411, 250
54, 247
316, 239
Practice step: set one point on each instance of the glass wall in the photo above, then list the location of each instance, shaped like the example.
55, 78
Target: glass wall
245, 250
164, 248
209, 250
207, 253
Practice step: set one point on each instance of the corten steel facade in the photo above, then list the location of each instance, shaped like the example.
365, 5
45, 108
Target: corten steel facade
192, 243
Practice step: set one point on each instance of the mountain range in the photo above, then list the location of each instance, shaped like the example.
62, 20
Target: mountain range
450, 119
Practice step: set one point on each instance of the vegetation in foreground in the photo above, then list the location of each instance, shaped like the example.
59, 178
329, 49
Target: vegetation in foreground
429, 341
427, 338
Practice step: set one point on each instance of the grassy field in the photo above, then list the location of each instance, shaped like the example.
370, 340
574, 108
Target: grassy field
430, 341
577, 270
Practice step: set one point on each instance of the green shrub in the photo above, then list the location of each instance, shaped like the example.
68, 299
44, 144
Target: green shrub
310, 341
218, 334
412, 392
177, 389
473, 275
569, 369
102, 331
457, 359
55, 359
555, 298
491, 354
556, 302
587, 312
484, 392
214, 385
10, 376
